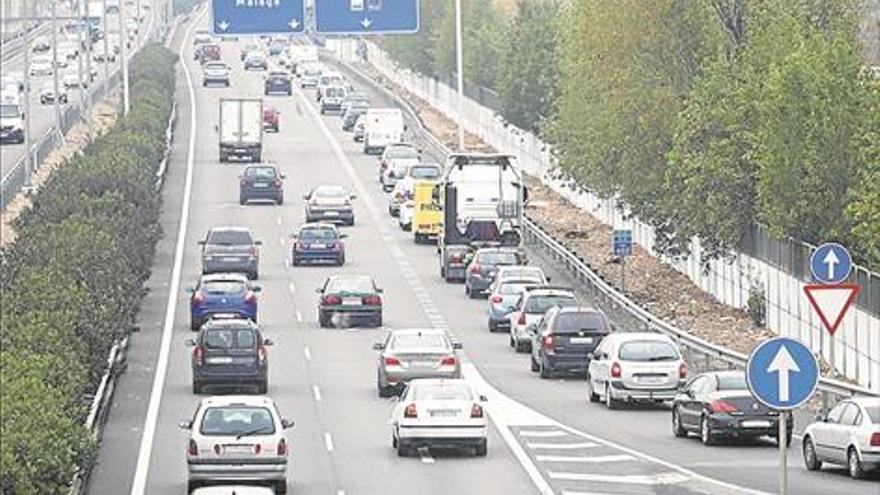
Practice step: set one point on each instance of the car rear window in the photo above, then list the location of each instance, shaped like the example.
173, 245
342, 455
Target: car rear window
442, 392
732, 382
540, 304
524, 273
229, 237
260, 172
513, 288
335, 92
580, 322
237, 420
224, 287
874, 414
281, 75
330, 191
350, 284
230, 338
401, 152
415, 341
498, 258
648, 350
317, 234
419, 172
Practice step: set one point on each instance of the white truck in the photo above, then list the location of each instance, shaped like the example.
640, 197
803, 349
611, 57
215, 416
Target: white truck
11, 118
241, 129
299, 54
383, 126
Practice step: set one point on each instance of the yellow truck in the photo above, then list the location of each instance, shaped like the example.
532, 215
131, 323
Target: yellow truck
427, 214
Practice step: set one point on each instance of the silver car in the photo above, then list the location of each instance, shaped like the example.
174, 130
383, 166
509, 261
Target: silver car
237, 438
395, 163
216, 73
849, 434
329, 203
408, 354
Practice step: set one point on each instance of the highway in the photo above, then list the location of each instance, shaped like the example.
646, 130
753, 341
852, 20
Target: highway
42, 117
545, 438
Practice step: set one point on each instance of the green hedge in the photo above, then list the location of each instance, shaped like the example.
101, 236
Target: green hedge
72, 284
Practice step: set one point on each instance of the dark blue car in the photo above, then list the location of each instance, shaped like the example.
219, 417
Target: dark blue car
278, 82
318, 242
222, 293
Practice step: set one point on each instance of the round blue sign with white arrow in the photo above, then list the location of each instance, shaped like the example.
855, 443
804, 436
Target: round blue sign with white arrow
830, 263
782, 373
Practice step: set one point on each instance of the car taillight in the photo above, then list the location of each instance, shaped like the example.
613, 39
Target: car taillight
392, 361
243, 182
277, 183
721, 406
496, 299
254, 251
475, 268
522, 319
410, 411
258, 449
547, 341
372, 300
476, 411
250, 297
262, 353
682, 371
448, 361
197, 298
615, 370
198, 355
282, 447
331, 299
193, 448
875, 439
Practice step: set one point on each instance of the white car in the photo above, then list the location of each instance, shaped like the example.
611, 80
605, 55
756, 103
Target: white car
405, 216
131, 25
12, 78
216, 72
68, 50
71, 79
47, 93
237, 438
99, 54
439, 412
40, 66
529, 309
635, 366
41, 45
849, 435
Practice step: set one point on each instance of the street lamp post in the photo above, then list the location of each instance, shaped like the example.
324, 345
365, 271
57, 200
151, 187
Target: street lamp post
459, 68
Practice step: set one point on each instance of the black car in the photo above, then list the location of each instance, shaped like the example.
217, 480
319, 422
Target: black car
565, 337
232, 250
278, 82
484, 264
719, 405
262, 182
345, 299
230, 352
349, 119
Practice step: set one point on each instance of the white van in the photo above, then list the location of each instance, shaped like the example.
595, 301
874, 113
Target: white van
383, 126
11, 118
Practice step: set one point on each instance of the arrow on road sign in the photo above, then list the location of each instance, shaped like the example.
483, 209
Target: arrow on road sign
223, 25
831, 302
783, 364
293, 24
831, 260
366, 23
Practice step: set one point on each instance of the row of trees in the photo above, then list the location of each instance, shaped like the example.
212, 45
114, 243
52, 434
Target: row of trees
72, 283
702, 116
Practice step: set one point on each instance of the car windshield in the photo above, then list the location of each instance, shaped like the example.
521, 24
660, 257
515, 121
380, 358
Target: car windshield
397, 152
229, 237
216, 66
236, 420
330, 192
444, 391
350, 284
224, 287
515, 287
9, 110
260, 172
874, 414
324, 234
648, 350
524, 273
732, 382
540, 304
335, 92
580, 322
406, 341
280, 75
424, 172
229, 338
497, 258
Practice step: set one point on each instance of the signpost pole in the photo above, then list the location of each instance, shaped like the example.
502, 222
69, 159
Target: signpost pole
29, 160
623, 275
783, 451
459, 69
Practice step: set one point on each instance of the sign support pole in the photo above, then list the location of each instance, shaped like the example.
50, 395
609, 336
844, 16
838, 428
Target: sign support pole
623, 275
782, 440
459, 68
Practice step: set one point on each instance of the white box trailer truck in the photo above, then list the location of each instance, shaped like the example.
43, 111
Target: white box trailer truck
241, 129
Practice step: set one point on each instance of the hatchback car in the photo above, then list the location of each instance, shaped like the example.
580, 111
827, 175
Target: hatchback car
564, 338
439, 413
348, 298
236, 438
635, 366
408, 354
278, 82
503, 295
231, 249
530, 307
262, 182
230, 352
354, 110
216, 73
255, 61
47, 93
719, 405
484, 265
316, 242
848, 435
222, 293
329, 203
395, 162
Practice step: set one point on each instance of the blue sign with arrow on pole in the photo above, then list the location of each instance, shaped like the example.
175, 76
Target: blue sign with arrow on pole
782, 373
830, 263
257, 17
366, 16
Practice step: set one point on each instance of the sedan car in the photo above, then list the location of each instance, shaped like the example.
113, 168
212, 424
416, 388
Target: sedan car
848, 435
278, 82
565, 337
408, 354
719, 405
222, 293
439, 413
394, 163
530, 307
635, 366
231, 249
360, 127
216, 73
347, 298
318, 242
40, 66
329, 203
262, 182
503, 295
47, 93
255, 61
484, 265
237, 438
230, 352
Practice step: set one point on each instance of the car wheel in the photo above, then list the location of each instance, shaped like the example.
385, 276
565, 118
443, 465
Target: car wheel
294, 261
194, 324
192, 486
706, 435
591, 394
242, 200
281, 487
280, 200
493, 327
610, 403
340, 261
534, 364
253, 275
263, 387
473, 294
511, 341
677, 428
854, 465
811, 459
545, 372
482, 448
384, 393
196, 387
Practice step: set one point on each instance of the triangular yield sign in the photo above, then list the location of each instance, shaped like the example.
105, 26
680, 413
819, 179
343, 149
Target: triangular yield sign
831, 302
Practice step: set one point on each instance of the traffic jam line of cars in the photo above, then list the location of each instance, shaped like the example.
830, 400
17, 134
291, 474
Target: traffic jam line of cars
241, 437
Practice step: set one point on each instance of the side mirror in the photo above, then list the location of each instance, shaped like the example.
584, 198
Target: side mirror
343, 236
268, 342
457, 345
190, 342
352, 197
283, 176
256, 288
319, 290
379, 346
379, 290
258, 243
185, 424
287, 423
189, 290
483, 398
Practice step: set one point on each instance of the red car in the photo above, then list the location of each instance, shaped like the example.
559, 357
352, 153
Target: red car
271, 119
208, 53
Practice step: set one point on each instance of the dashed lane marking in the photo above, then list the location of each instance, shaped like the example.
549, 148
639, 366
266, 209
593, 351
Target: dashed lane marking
669, 478
599, 459
562, 446
316, 393
307, 353
542, 433
328, 441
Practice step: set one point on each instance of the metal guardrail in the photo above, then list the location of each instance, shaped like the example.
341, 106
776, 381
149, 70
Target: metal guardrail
169, 138
580, 270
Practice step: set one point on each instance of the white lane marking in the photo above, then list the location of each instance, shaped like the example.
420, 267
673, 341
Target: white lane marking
328, 441
145, 451
630, 479
316, 393
307, 353
281, 241
599, 459
542, 433
562, 446
299, 316
278, 221
340, 492
292, 288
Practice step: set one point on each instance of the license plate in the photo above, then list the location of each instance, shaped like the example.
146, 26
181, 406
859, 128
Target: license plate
238, 449
649, 379
444, 413
351, 301
260, 184
581, 340
220, 360
755, 424
318, 245
331, 213
231, 259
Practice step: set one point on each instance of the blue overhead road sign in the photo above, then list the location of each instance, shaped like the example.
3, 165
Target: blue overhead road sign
235, 17
782, 373
366, 16
830, 263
